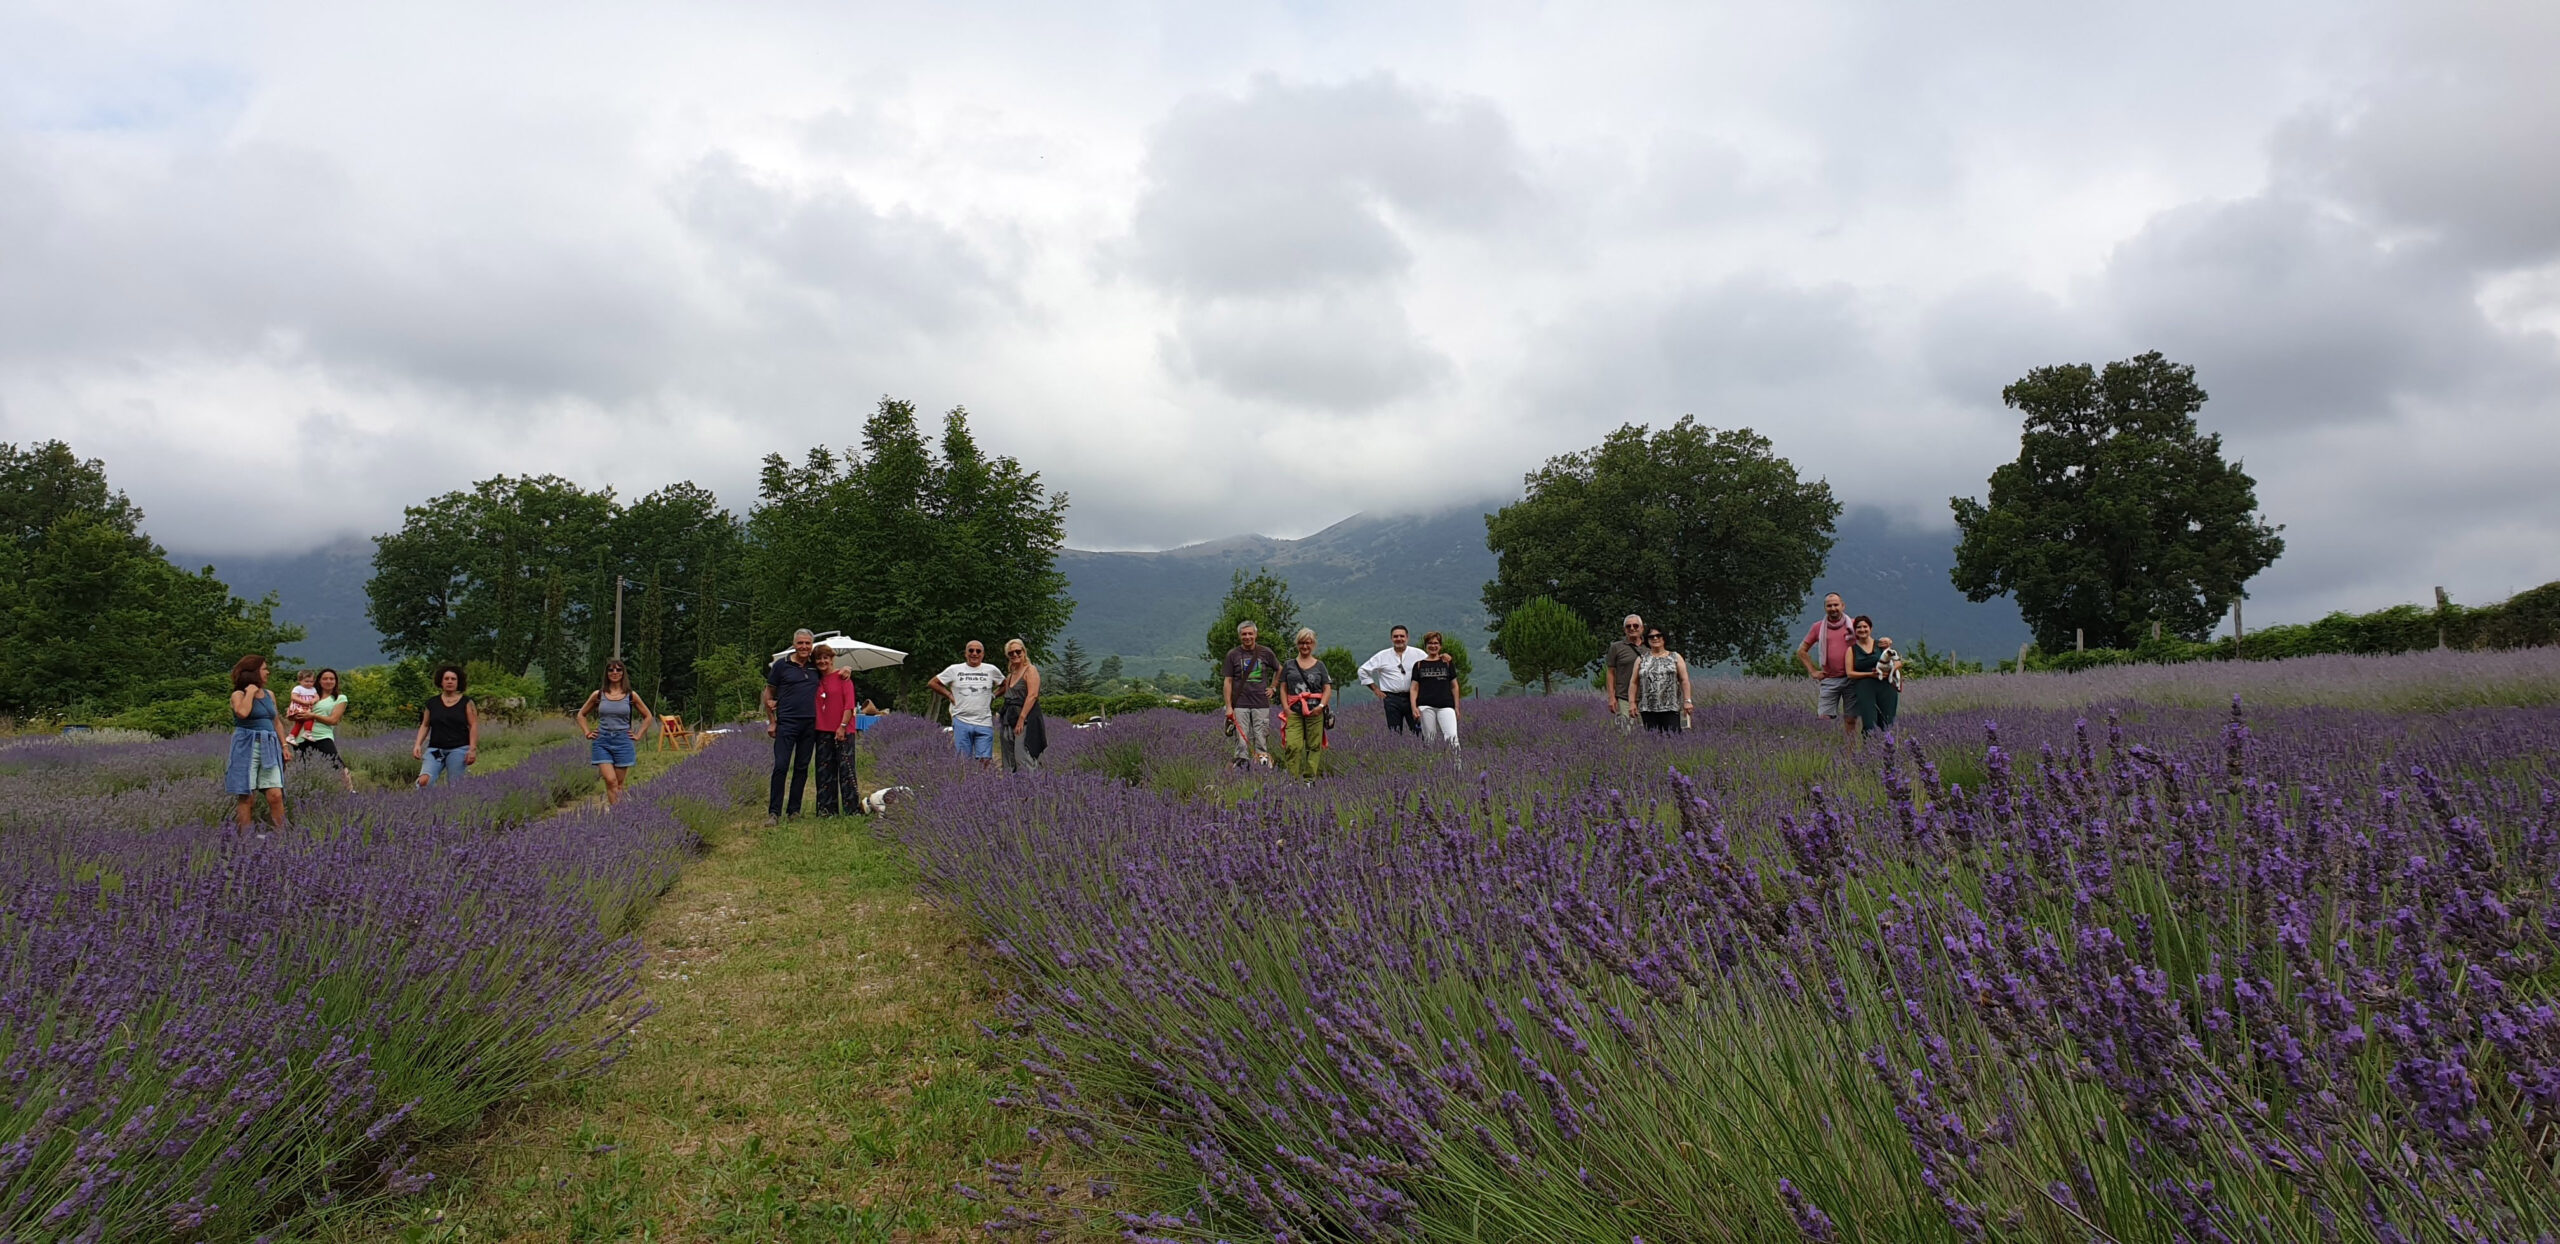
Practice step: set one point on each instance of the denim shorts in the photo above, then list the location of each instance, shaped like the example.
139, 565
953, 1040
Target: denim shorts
445, 764
978, 742
613, 747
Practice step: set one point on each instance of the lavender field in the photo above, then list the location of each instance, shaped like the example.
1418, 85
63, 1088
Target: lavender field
2115, 958
209, 1035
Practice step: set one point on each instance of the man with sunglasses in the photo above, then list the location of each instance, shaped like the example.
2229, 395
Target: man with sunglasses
1390, 674
971, 686
1620, 668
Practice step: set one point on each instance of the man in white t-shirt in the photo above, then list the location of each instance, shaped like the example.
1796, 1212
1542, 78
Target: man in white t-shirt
1390, 674
972, 687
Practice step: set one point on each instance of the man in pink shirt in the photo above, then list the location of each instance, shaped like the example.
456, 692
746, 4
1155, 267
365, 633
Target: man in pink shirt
1832, 632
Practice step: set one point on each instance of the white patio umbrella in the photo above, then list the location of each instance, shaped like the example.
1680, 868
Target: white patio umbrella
853, 655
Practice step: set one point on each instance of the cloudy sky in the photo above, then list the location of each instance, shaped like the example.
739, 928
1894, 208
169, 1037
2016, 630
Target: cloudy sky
1220, 268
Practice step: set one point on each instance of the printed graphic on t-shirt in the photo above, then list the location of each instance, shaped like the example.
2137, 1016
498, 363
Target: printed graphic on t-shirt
1253, 669
1434, 683
973, 692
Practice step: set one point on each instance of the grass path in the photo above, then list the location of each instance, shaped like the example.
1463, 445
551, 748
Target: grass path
813, 1071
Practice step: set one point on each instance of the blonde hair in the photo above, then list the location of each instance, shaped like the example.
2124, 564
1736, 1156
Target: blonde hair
1011, 645
1304, 633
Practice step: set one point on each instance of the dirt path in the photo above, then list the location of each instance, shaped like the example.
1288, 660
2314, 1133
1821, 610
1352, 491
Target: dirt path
813, 1071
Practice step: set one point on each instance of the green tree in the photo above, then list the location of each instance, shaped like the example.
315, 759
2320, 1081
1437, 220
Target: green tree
1110, 671
470, 575
83, 591
1075, 673
909, 543
2118, 511
1707, 533
648, 649
680, 541
1342, 665
1263, 600
1542, 639
729, 684
1456, 650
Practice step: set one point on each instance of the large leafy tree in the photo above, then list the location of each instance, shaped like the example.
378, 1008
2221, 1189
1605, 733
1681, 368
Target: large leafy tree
2118, 512
520, 572
1261, 598
914, 543
685, 558
1709, 534
1542, 639
92, 614
510, 572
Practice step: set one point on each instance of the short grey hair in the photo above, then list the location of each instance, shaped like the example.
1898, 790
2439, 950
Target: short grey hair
1304, 632
803, 633
1638, 619
1248, 623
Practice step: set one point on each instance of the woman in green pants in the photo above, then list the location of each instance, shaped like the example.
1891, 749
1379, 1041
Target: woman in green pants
1306, 696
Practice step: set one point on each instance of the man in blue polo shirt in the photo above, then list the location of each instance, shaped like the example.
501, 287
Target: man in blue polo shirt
791, 718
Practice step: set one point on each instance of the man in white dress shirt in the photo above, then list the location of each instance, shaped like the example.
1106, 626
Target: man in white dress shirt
1390, 674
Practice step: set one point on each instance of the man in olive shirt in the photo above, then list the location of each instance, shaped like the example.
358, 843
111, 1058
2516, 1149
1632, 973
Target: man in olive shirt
1250, 671
1620, 666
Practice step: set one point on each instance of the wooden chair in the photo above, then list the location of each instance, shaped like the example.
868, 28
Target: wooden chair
672, 734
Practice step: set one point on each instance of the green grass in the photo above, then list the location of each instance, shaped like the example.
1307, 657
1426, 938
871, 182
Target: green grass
813, 1072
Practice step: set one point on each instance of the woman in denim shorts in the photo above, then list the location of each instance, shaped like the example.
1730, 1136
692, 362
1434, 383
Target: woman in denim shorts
622, 718
448, 730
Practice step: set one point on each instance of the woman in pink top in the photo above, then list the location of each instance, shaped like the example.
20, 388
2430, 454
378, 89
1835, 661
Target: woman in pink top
836, 707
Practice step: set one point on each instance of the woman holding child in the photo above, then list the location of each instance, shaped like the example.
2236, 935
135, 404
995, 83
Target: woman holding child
1875, 681
313, 723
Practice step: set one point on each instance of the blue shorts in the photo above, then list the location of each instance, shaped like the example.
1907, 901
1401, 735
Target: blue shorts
613, 747
974, 741
445, 764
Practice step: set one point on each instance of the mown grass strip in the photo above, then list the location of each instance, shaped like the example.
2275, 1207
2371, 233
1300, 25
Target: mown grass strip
813, 1072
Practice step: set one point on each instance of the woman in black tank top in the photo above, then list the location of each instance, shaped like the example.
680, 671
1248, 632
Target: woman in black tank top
448, 731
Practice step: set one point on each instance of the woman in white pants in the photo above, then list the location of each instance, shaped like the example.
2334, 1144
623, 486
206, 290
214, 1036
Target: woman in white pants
1435, 692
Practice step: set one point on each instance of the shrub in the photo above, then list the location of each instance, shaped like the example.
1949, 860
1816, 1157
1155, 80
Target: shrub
171, 718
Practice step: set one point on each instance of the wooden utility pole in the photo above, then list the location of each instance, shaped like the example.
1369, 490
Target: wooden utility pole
2444, 603
2239, 633
2079, 640
618, 581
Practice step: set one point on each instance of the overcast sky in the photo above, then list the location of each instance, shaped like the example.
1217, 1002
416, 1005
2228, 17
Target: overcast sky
1220, 268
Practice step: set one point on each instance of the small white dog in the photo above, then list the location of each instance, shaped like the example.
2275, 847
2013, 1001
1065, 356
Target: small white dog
879, 800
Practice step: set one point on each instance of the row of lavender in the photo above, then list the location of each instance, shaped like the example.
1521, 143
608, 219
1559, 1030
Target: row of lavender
204, 1033
2182, 975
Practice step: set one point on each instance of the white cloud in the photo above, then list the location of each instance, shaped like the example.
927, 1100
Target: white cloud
1153, 248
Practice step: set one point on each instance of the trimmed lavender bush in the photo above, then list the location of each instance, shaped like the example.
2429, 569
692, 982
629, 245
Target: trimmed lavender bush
205, 1033
2161, 974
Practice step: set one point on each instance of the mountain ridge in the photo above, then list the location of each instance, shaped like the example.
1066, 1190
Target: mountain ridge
1352, 580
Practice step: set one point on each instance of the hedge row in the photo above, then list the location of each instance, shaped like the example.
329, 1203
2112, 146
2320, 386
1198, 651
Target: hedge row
1073, 704
2530, 619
